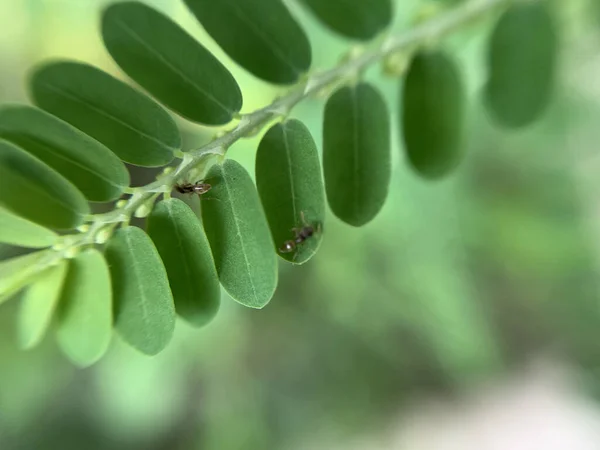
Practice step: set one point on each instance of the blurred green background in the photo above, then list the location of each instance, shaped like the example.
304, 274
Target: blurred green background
455, 283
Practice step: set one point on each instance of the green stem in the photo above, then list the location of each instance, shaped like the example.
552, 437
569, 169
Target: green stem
420, 35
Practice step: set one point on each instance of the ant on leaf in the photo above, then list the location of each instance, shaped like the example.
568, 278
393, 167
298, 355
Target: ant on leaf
199, 187
301, 234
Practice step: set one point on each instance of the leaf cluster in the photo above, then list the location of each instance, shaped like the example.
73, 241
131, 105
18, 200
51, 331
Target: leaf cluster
96, 273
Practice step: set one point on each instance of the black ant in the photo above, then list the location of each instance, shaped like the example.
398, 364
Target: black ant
193, 188
302, 233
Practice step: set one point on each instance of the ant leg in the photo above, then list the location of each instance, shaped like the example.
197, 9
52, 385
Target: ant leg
298, 230
303, 219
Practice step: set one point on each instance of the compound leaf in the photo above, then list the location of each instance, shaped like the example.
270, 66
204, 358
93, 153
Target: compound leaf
433, 114
260, 35
356, 153
290, 185
36, 192
239, 236
39, 303
132, 125
85, 162
144, 310
522, 62
357, 19
15, 230
184, 249
84, 319
170, 64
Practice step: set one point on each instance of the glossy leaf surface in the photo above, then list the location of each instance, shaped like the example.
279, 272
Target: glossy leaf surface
260, 35
39, 303
356, 153
84, 322
15, 230
358, 19
144, 310
433, 115
132, 125
239, 236
522, 61
36, 192
170, 64
85, 162
290, 185
184, 249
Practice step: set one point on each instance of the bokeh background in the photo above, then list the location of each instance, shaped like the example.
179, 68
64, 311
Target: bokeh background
465, 316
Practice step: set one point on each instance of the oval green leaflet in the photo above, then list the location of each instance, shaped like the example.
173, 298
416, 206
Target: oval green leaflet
260, 35
144, 309
84, 317
184, 249
17, 272
36, 192
85, 162
355, 19
15, 230
522, 61
39, 303
170, 64
128, 122
433, 104
290, 185
239, 236
356, 153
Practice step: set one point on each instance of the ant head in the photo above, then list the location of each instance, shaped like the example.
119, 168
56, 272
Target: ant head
287, 247
201, 188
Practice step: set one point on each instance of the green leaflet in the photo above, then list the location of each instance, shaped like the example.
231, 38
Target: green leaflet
184, 249
260, 35
522, 62
33, 190
170, 64
39, 303
84, 319
239, 237
86, 163
358, 19
144, 310
356, 153
132, 125
433, 115
15, 230
289, 182
16, 272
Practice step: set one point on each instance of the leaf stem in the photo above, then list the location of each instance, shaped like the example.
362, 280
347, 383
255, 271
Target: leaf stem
421, 34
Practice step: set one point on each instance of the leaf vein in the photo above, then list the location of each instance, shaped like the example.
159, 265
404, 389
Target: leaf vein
108, 115
266, 40
141, 289
236, 221
184, 259
291, 174
355, 148
173, 68
74, 162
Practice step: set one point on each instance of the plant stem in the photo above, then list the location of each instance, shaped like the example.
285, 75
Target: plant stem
422, 34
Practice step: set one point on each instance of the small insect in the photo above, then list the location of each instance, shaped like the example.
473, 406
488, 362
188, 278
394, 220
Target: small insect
200, 187
306, 231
